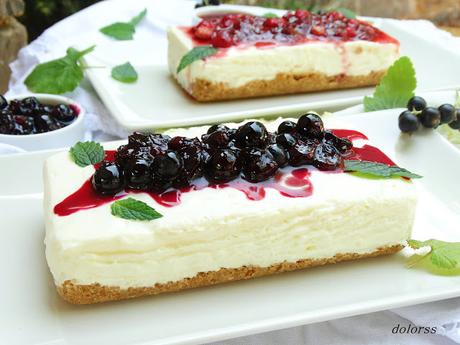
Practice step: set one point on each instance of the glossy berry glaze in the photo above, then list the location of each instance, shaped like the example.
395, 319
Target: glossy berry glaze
296, 27
249, 159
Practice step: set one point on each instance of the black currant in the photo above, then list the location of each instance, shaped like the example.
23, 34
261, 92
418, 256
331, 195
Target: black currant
447, 113
455, 124
408, 122
108, 179
430, 117
310, 125
252, 134
416, 103
287, 127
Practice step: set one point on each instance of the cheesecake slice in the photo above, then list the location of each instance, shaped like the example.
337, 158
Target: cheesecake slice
237, 204
299, 52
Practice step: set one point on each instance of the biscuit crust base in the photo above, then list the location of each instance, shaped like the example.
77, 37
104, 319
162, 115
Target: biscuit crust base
96, 293
206, 91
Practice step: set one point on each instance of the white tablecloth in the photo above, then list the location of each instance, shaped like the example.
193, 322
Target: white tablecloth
82, 28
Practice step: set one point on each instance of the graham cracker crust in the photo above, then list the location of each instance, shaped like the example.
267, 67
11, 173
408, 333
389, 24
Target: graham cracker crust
206, 91
96, 293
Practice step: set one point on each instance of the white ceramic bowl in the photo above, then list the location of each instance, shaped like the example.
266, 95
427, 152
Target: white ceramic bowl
63, 137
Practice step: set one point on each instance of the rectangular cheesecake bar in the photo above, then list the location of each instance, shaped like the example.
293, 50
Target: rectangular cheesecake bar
300, 52
216, 235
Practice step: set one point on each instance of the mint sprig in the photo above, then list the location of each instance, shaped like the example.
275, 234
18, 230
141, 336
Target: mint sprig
377, 169
443, 257
60, 75
124, 73
197, 53
133, 209
87, 153
396, 87
123, 31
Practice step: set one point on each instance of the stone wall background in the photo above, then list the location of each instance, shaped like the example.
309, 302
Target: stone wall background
13, 36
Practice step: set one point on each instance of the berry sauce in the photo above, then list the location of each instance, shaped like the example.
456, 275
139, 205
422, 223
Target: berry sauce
293, 182
297, 27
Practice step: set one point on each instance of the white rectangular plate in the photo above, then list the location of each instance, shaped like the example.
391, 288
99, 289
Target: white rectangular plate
156, 100
32, 313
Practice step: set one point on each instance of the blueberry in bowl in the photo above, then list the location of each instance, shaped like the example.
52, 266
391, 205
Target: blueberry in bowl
40, 121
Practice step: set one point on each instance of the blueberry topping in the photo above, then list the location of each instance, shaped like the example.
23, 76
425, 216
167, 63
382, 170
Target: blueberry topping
287, 127
216, 139
327, 157
342, 145
408, 122
252, 134
302, 153
259, 165
29, 106
430, 117
167, 166
416, 103
310, 125
279, 155
137, 172
63, 113
447, 113
108, 179
286, 140
224, 165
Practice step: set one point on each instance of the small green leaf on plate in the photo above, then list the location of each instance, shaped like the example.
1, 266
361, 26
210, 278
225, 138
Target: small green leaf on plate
133, 209
270, 15
124, 73
197, 53
378, 169
123, 31
442, 255
87, 153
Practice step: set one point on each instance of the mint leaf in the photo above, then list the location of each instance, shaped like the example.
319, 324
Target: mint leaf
377, 169
87, 153
197, 53
443, 255
396, 87
270, 15
58, 76
130, 208
346, 12
123, 31
124, 73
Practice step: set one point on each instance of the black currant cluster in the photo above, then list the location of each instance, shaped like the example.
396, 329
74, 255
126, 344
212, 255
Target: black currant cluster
429, 117
29, 116
156, 162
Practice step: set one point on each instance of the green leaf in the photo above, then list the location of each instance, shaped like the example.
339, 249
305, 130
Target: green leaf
270, 15
377, 169
87, 153
58, 76
123, 31
133, 209
396, 87
443, 255
197, 53
346, 12
457, 99
124, 73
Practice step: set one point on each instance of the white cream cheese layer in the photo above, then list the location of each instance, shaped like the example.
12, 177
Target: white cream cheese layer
239, 66
213, 229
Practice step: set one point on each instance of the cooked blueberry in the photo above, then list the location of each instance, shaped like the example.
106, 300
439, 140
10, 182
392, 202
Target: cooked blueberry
326, 157
193, 159
280, 156
137, 173
179, 143
108, 179
3, 102
447, 113
30, 106
287, 127
259, 165
341, 144
310, 125
16, 107
216, 139
63, 113
160, 185
455, 124
218, 127
408, 122
167, 166
430, 117
252, 134
303, 152
224, 165
286, 140
138, 139
45, 123
25, 124
416, 103
6, 122
124, 152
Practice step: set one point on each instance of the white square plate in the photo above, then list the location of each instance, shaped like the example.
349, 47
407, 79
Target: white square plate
31, 312
156, 101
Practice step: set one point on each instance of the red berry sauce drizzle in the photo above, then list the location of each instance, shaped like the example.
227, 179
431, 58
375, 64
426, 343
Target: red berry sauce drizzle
297, 27
293, 182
